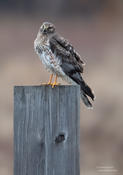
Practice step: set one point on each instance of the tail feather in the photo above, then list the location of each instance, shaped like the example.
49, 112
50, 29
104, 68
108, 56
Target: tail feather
79, 80
85, 99
87, 89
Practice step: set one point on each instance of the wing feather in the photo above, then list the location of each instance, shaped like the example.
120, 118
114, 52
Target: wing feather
65, 44
71, 63
66, 53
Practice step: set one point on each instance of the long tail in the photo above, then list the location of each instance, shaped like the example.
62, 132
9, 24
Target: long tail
85, 99
86, 90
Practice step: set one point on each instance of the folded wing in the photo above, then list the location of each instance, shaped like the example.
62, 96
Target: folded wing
71, 63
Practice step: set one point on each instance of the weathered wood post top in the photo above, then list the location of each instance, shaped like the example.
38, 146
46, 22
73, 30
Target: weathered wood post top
46, 130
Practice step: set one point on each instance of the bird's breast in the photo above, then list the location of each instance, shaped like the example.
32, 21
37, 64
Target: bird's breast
49, 59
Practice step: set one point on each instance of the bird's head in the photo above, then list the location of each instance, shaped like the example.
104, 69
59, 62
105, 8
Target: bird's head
47, 28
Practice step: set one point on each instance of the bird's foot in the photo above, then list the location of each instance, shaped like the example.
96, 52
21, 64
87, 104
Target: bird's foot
55, 84
49, 82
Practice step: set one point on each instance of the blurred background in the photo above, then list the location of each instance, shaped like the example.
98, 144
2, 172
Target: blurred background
95, 28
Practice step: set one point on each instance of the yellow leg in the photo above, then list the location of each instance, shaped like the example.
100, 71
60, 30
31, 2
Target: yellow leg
50, 80
55, 82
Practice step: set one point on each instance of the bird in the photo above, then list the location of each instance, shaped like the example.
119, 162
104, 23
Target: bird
61, 60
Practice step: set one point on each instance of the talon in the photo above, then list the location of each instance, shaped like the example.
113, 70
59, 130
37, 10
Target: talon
49, 82
55, 82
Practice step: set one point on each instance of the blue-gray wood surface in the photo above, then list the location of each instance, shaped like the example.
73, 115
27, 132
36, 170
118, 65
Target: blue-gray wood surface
46, 130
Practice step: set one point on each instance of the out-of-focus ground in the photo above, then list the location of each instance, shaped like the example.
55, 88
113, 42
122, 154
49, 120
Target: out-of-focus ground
100, 40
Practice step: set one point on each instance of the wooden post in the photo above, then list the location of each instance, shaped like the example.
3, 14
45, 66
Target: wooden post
46, 130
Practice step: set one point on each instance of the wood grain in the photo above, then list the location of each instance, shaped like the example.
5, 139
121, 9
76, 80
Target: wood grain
46, 130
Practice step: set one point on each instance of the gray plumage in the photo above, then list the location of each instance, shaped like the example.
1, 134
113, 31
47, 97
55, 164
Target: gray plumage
59, 57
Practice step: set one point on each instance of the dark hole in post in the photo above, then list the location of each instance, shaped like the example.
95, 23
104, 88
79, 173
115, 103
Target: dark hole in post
60, 138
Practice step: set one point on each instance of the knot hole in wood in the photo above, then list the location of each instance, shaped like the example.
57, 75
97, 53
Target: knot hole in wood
60, 138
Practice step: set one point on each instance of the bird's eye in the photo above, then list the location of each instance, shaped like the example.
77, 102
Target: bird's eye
50, 28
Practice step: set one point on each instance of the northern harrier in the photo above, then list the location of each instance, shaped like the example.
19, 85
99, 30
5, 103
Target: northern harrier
60, 58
